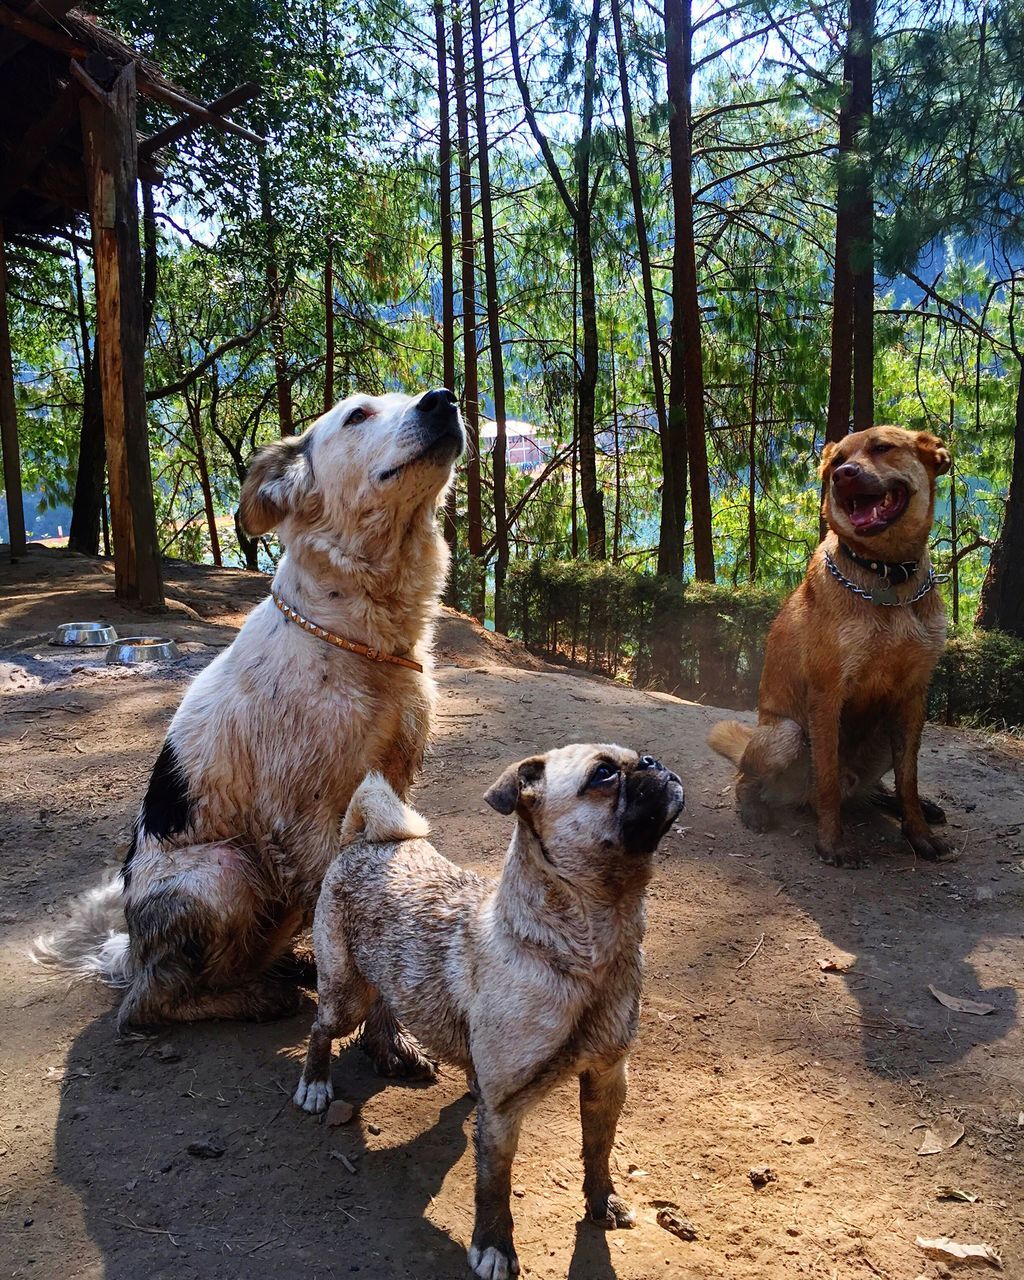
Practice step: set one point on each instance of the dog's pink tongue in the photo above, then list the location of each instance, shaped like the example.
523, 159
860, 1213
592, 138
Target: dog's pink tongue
863, 515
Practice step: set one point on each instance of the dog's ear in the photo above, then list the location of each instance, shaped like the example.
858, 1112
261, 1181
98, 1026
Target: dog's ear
933, 453
826, 457
517, 785
278, 477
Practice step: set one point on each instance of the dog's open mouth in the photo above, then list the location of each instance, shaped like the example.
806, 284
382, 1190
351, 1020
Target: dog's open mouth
870, 513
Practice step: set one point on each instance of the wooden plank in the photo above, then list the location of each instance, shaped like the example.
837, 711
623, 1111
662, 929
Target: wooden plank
27, 29
52, 11
36, 142
161, 93
109, 139
9, 423
244, 93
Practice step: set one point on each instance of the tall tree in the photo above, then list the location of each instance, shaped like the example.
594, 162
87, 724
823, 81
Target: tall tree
444, 201
499, 452
579, 209
686, 423
471, 391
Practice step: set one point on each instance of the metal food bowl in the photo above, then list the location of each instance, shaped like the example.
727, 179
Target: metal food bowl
84, 634
132, 649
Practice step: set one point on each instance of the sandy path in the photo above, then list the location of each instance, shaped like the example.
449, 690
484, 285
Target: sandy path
743, 1060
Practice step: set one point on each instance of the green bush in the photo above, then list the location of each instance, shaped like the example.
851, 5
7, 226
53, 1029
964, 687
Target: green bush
980, 678
698, 640
707, 641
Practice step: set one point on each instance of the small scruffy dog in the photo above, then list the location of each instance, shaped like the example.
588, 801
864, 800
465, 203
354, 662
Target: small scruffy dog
523, 981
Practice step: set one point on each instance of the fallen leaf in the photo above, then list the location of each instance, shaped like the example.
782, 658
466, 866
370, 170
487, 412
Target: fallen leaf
954, 1193
946, 1248
940, 1137
836, 966
960, 1005
678, 1225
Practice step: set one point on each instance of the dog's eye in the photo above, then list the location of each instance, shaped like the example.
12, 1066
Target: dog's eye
356, 416
881, 448
602, 775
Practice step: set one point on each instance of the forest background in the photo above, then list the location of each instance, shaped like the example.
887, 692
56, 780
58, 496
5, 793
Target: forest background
661, 254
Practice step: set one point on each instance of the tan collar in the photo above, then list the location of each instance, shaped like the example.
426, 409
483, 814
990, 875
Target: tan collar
350, 646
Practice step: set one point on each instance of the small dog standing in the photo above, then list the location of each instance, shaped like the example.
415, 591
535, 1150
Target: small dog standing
521, 982
850, 655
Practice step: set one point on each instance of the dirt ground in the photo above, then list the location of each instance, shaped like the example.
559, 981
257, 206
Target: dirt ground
750, 1054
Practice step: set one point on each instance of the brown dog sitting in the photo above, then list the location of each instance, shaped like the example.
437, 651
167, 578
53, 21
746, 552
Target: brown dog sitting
850, 655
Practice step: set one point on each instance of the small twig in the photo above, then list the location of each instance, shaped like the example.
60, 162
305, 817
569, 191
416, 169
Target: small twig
760, 944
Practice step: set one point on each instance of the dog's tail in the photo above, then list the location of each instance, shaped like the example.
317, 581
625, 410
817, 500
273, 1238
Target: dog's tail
729, 738
376, 813
94, 942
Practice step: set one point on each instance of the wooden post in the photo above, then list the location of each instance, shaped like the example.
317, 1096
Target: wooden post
9, 423
108, 134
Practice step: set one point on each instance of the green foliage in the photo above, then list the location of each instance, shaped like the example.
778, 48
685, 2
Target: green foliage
980, 680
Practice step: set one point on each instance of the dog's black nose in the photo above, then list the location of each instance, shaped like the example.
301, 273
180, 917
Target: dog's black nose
440, 403
648, 762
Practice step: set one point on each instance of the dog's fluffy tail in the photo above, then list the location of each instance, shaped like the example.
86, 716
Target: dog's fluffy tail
94, 942
729, 738
376, 813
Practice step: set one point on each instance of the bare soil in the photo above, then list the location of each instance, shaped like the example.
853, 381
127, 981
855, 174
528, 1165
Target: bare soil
750, 1054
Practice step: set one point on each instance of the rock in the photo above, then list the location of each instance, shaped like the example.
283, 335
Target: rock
340, 1112
167, 1053
761, 1175
374, 1129
806, 1140
210, 1148
678, 1225
519, 1191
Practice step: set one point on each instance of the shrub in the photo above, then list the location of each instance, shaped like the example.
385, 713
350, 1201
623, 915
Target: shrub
706, 641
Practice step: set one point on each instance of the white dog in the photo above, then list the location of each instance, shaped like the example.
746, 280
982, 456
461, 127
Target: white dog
329, 677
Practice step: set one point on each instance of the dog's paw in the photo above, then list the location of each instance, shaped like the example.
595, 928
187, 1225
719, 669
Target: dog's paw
614, 1214
927, 845
839, 855
313, 1096
493, 1263
754, 813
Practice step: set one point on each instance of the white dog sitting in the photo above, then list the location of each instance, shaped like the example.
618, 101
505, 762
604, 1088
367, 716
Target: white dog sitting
328, 677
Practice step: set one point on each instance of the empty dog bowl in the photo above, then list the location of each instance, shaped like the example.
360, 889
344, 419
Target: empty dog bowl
131, 649
84, 633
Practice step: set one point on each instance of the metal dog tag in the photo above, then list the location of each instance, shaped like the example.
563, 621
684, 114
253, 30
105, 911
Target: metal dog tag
883, 595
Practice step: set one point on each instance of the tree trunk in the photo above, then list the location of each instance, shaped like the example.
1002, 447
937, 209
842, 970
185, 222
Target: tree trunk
670, 534
9, 423
686, 378
755, 387
329, 352
954, 531
444, 167
149, 257
862, 251
84, 534
499, 455
109, 137
617, 509
1002, 594
194, 406
275, 305
590, 492
471, 393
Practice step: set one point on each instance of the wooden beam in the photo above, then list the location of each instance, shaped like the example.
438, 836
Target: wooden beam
36, 142
244, 93
54, 10
109, 138
161, 93
9, 423
28, 29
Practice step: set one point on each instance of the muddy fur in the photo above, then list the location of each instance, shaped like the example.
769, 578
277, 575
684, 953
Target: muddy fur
242, 814
842, 696
521, 982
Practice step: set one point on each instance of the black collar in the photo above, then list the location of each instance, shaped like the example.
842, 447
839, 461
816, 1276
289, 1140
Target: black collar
895, 574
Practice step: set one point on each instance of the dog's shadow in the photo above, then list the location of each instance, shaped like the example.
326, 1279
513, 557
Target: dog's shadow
190, 1160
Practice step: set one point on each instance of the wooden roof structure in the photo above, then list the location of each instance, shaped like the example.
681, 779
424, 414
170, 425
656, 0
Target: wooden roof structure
71, 158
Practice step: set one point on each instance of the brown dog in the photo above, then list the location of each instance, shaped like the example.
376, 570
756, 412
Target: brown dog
850, 655
523, 981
